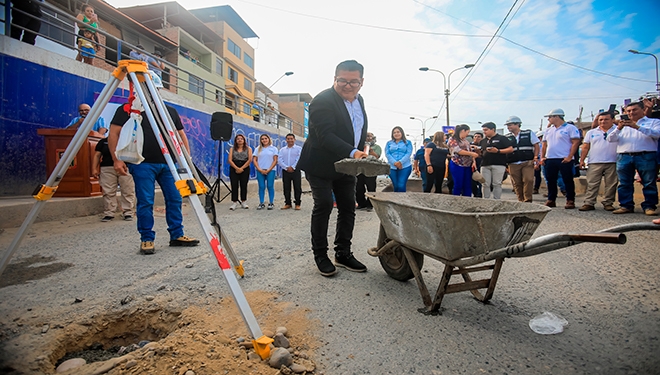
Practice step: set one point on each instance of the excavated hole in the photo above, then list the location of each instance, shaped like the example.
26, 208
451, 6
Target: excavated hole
114, 335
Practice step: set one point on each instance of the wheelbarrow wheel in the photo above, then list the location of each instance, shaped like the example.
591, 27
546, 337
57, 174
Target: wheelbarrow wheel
394, 261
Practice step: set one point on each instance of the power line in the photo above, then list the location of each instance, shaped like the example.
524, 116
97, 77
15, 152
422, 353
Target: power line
445, 34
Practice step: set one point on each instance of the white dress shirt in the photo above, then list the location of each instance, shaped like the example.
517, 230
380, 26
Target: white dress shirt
637, 140
288, 156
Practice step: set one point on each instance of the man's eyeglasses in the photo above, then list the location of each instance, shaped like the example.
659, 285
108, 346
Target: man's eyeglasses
343, 82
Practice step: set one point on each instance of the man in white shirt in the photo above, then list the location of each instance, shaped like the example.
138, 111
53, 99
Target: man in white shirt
560, 144
288, 161
637, 147
602, 163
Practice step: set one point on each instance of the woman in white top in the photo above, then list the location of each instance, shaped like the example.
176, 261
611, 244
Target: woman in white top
265, 160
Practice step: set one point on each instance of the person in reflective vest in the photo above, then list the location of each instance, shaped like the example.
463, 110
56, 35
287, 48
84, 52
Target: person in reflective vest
523, 159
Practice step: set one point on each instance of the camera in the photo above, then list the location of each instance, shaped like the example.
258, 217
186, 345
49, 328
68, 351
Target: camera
625, 117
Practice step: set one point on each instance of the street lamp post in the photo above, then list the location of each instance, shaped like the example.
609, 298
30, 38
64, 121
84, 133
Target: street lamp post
286, 74
447, 82
423, 124
657, 82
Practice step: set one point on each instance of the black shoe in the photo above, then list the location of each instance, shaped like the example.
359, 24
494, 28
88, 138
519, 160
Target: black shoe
349, 262
325, 266
107, 218
184, 241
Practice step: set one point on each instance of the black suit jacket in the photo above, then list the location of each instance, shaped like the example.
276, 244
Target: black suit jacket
331, 135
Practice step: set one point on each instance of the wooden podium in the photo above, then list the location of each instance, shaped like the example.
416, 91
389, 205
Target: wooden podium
78, 180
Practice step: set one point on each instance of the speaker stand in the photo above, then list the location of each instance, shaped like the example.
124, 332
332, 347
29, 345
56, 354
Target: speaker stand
215, 188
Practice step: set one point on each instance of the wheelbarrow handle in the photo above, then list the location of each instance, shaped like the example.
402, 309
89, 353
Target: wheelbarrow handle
618, 238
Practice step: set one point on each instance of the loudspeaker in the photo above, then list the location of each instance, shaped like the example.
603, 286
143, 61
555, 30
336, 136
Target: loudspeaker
222, 124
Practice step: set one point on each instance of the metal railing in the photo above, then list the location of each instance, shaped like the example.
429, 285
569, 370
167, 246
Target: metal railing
60, 20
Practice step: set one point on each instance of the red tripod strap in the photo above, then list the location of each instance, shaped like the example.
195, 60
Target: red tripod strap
128, 106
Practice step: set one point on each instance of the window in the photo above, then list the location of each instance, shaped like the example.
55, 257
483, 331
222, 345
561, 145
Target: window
233, 48
218, 66
232, 74
246, 108
196, 85
57, 29
247, 84
248, 60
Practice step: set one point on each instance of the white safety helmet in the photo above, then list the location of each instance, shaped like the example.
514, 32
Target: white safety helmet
539, 134
555, 112
513, 120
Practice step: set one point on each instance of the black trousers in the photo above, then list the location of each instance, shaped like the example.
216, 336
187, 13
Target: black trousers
287, 179
29, 21
435, 179
239, 180
537, 178
364, 182
344, 193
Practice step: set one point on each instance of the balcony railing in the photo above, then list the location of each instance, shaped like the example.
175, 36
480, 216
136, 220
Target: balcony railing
57, 26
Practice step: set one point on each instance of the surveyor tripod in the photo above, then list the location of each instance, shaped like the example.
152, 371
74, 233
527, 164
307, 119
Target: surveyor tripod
180, 164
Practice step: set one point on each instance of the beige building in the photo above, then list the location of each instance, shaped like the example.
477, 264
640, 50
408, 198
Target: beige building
238, 56
199, 52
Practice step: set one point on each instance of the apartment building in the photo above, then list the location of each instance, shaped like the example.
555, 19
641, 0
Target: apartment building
198, 54
238, 55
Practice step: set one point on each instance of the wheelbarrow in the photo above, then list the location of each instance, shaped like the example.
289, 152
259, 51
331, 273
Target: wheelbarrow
468, 236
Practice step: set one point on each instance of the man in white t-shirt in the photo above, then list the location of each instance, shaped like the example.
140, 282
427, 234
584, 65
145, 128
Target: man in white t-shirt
560, 144
602, 163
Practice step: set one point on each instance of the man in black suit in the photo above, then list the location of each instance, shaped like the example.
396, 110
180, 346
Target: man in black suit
337, 130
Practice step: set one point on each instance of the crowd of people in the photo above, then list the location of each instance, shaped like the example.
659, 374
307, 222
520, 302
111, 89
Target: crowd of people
616, 152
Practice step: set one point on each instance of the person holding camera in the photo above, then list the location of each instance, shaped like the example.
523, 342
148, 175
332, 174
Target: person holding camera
637, 146
83, 111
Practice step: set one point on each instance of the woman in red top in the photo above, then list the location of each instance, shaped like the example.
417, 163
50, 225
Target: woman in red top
463, 161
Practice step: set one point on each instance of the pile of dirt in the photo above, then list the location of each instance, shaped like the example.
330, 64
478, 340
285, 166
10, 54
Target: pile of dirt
202, 338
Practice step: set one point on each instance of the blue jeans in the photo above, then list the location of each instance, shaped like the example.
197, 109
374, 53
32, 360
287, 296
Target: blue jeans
399, 178
462, 179
560, 181
422, 174
555, 167
145, 176
646, 165
266, 181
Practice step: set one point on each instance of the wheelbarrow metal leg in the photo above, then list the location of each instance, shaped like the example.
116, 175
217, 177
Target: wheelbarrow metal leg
486, 283
423, 290
442, 288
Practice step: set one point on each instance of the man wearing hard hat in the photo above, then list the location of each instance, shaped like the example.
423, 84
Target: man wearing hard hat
523, 158
560, 144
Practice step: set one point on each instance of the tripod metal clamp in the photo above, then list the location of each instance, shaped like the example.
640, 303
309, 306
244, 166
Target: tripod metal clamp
186, 187
201, 188
44, 193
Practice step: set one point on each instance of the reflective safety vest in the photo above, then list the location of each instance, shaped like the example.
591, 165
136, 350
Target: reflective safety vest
523, 149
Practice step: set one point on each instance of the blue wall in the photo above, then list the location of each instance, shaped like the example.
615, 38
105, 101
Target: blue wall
34, 96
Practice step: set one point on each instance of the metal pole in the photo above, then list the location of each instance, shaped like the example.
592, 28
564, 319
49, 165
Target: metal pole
8, 19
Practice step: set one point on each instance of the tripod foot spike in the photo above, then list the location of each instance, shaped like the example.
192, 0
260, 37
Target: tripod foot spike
262, 346
239, 268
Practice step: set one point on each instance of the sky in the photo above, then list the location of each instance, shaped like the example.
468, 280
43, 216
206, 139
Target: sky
548, 54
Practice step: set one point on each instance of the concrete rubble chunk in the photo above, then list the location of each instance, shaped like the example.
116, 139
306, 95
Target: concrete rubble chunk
280, 357
280, 341
70, 364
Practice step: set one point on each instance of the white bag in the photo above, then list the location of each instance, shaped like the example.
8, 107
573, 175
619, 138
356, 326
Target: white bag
131, 139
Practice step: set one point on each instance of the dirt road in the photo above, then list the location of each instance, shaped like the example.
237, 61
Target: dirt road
80, 281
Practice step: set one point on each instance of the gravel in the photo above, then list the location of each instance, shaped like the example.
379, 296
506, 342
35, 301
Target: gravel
369, 322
